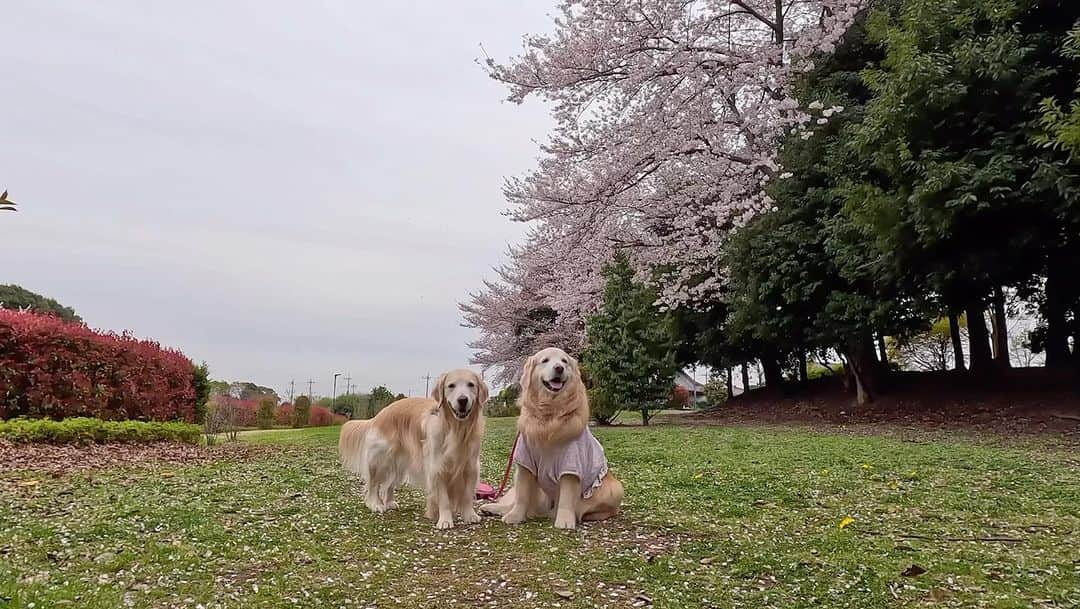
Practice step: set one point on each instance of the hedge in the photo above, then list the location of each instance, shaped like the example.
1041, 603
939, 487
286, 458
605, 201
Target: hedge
84, 430
54, 369
244, 414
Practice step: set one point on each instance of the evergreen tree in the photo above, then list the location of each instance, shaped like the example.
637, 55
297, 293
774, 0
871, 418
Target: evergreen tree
630, 356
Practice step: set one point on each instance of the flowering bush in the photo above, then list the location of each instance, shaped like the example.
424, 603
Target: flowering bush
284, 415
320, 416
680, 398
54, 369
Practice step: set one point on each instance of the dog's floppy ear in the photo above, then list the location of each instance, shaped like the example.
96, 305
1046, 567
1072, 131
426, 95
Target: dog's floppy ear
526, 374
438, 392
482, 391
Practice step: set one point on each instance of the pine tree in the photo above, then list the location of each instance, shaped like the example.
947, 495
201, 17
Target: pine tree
630, 356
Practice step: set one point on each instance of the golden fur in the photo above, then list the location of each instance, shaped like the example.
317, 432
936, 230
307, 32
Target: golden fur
422, 442
549, 419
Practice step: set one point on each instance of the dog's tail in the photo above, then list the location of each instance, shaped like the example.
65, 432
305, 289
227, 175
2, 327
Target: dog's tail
351, 447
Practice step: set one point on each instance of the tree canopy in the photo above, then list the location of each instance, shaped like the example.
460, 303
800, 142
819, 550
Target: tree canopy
19, 298
873, 176
630, 359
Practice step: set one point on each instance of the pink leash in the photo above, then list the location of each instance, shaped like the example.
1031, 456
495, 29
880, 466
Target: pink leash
485, 491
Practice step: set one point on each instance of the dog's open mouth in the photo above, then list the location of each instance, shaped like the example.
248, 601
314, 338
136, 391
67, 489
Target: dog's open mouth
554, 385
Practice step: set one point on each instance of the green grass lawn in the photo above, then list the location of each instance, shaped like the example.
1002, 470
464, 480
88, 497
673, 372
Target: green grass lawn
714, 517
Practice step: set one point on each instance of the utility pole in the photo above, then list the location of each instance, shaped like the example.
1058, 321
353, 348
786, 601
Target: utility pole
333, 399
309, 390
427, 384
348, 384
292, 388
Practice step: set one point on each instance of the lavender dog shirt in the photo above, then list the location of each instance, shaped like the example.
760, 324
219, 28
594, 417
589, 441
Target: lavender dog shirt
582, 457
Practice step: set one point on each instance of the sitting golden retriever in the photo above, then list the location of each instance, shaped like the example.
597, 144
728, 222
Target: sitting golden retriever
559, 462
430, 443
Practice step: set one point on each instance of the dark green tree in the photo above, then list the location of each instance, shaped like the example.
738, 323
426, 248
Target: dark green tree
957, 199
301, 411
201, 382
264, 416
382, 396
799, 282
630, 356
1061, 115
19, 298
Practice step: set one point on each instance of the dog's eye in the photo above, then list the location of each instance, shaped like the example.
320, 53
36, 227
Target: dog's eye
451, 385
471, 385
544, 361
564, 360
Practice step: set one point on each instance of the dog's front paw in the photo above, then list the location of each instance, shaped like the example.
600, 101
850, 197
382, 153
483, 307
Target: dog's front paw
444, 523
470, 517
565, 521
390, 505
494, 509
514, 517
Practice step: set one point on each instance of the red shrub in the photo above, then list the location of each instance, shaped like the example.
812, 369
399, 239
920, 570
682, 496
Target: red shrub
235, 412
339, 419
320, 416
284, 415
680, 397
56, 369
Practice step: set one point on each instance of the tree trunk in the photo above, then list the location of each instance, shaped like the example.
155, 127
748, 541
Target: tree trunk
978, 339
864, 368
999, 330
774, 373
745, 377
957, 344
728, 373
645, 414
883, 353
802, 367
1057, 339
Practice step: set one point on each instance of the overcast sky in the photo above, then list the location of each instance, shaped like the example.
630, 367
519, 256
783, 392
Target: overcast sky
282, 189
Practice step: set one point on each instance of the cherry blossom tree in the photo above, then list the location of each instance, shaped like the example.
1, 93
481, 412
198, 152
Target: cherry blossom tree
515, 317
668, 117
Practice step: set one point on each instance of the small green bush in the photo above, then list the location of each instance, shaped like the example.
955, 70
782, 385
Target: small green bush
301, 411
603, 407
716, 391
497, 407
264, 416
84, 430
815, 370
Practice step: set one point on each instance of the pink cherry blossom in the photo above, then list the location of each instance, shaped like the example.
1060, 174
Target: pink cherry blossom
668, 115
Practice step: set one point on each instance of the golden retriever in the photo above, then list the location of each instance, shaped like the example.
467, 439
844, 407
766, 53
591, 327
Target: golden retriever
433, 444
559, 462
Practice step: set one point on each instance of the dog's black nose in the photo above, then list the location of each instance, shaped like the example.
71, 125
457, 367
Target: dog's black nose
463, 402
559, 369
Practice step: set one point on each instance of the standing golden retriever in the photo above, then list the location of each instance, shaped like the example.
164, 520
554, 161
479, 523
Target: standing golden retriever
430, 443
559, 462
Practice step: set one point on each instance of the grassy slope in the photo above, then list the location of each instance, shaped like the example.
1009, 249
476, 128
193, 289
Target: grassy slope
714, 517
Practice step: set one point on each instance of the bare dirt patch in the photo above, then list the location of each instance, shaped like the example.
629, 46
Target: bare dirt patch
1015, 404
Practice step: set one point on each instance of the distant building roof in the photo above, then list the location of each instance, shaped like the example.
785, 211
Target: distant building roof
682, 379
